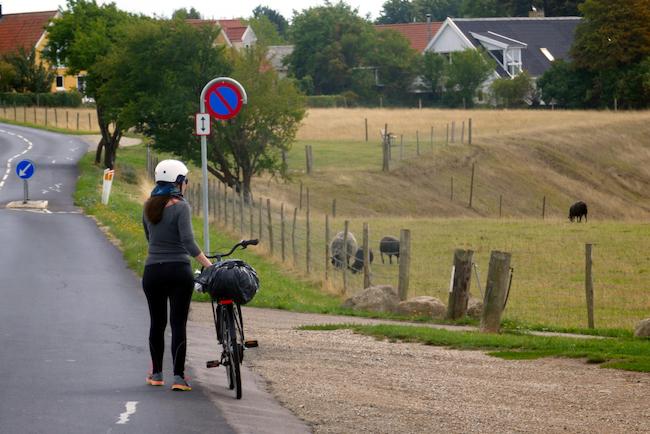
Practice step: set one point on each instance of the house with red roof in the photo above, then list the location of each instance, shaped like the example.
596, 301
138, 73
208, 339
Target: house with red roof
28, 31
234, 33
418, 34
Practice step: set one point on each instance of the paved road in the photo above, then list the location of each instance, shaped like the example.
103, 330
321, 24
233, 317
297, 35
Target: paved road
73, 320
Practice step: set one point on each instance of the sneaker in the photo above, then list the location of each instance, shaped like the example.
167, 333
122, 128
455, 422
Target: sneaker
181, 384
155, 379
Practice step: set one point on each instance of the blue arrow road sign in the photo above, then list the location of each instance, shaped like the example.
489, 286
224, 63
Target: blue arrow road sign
25, 169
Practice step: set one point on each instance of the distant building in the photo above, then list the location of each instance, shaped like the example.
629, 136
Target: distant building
234, 33
29, 31
419, 35
276, 55
516, 44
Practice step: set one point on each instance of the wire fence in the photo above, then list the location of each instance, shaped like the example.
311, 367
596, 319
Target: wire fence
548, 278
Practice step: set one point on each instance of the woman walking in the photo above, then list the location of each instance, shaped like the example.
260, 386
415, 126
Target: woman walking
167, 273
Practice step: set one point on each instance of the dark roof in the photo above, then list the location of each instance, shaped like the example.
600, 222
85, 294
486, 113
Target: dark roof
418, 34
554, 34
22, 30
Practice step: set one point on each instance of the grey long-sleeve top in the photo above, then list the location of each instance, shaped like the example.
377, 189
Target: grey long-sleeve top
172, 239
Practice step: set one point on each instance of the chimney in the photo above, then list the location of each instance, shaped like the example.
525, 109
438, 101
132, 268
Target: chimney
429, 29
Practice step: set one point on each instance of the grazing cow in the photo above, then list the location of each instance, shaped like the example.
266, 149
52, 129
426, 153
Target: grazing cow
341, 255
389, 246
357, 266
577, 211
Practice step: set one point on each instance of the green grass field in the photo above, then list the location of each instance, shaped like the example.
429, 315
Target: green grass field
622, 353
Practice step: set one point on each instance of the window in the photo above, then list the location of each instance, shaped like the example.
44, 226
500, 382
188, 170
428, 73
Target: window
81, 83
59, 82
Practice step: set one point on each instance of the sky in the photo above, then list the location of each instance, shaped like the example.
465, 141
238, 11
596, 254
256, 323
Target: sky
207, 8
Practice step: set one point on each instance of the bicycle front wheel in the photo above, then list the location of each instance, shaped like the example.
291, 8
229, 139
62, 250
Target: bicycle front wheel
232, 347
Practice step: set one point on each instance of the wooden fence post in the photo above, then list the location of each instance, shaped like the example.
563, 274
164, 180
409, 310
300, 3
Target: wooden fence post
451, 196
67, 119
496, 292
293, 238
366, 130
417, 142
25, 114
589, 286
462, 277
471, 188
234, 209
241, 213
218, 199
225, 205
345, 257
36, 117
453, 131
270, 222
500, 204
327, 246
300, 202
56, 117
447, 139
45, 108
544, 208
90, 122
385, 145
260, 227
308, 159
462, 134
251, 209
404, 263
282, 233
469, 131
77, 118
366, 256
308, 234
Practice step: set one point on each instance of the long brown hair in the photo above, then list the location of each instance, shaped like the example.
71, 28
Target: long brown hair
154, 207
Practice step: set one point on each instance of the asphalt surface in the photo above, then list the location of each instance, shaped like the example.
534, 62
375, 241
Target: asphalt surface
73, 318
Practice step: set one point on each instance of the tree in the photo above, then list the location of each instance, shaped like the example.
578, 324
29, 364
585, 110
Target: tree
153, 79
252, 142
328, 41
275, 17
24, 74
266, 32
439, 9
565, 85
434, 72
7, 76
513, 92
484, 8
396, 11
183, 14
83, 34
466, 72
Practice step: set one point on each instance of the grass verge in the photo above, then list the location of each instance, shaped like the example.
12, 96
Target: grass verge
628, 354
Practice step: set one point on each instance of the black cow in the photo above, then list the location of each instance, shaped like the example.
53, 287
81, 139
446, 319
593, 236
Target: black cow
389, 246
577, 211
357, 265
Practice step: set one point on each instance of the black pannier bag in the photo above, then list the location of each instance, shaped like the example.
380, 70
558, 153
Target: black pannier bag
233, 279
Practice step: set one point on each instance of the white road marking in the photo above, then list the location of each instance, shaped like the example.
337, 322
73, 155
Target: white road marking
29, 148
130, 410
53, 161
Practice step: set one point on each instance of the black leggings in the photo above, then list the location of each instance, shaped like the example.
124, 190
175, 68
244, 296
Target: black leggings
173, 280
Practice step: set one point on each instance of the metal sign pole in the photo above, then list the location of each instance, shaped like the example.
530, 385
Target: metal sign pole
25, 191
204, 155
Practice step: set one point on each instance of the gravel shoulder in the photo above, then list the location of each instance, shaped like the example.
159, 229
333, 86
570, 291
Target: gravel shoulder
340, 382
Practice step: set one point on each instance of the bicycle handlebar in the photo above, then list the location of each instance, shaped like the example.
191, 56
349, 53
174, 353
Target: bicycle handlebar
243, 244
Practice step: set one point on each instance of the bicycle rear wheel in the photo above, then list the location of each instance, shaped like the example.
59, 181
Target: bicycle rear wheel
232, 348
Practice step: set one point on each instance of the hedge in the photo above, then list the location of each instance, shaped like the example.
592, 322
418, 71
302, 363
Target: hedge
58, 99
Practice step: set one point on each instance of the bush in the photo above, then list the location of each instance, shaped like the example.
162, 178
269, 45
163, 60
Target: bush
59, 99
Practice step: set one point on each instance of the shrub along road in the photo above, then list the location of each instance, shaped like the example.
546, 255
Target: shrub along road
73, 319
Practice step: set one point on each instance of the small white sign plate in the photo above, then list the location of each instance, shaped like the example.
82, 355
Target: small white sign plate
202, 124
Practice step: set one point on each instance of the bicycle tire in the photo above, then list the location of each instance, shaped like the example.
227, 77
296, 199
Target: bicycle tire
234, 352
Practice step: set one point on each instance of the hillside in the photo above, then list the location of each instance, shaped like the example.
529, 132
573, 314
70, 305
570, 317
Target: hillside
602, 158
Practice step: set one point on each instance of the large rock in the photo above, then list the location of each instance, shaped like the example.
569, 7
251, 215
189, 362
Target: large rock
382, 298
422, 306
474, 307
643, 329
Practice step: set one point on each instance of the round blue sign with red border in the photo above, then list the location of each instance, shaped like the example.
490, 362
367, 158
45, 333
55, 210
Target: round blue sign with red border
223, 100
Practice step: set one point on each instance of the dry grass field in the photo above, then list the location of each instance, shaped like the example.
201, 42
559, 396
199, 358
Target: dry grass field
73, 119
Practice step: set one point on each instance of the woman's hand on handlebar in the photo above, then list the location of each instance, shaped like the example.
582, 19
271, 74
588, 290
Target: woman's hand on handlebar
203, 260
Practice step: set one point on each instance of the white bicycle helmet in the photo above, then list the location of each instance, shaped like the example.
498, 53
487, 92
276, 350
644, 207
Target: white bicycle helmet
171, 171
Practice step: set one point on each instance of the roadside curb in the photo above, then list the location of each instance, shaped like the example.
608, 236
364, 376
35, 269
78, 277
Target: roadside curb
30, 204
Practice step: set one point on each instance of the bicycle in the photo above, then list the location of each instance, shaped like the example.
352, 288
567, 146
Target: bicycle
229, 325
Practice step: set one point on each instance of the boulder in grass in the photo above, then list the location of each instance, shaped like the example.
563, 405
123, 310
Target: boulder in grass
474, 307
426, 306
643, 329
382, 298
